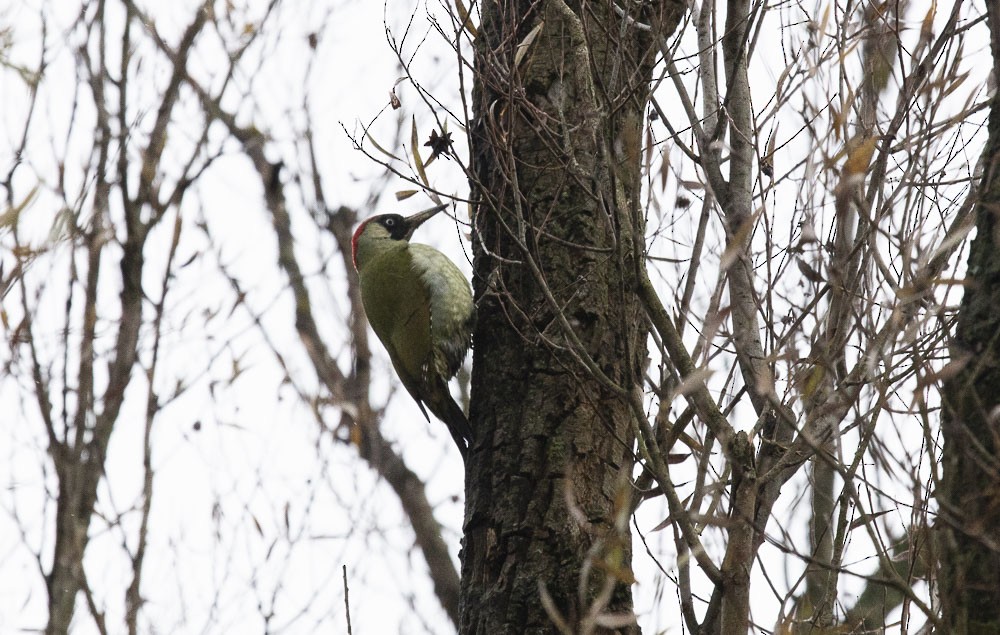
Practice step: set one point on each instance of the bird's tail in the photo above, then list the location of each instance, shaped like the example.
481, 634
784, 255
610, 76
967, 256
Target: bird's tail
448, 411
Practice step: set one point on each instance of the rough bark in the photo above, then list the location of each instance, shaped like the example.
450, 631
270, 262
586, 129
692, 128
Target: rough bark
969, 578
560, 95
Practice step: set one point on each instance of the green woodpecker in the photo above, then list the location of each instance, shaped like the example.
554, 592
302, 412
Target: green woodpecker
420, 306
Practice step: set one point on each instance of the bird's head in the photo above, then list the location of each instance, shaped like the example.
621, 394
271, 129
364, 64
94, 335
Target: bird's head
385, 231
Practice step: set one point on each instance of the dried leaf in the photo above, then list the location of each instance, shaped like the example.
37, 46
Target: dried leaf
864, 519
381, 149
664, 169
954, 85
808, 271
189, 261
525, 45
10, 217
767, 161
663, 524
463, 15
955, 237
927, 26
402, 195
781, 82
648, 163
825, 19
415, 149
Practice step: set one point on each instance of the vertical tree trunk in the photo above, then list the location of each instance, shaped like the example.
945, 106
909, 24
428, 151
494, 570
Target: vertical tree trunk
560, 96
64, 580
969, 579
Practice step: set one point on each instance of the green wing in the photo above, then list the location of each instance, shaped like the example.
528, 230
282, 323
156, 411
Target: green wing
398, 309
452, 311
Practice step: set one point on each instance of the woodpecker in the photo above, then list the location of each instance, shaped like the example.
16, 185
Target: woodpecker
420, 306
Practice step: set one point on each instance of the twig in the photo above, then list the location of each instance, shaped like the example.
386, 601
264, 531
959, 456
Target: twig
347, 602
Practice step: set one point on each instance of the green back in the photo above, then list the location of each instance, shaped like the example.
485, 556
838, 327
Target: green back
452, 310
397, 305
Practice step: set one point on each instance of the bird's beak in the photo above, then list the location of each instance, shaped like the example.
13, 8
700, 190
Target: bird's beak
419, 218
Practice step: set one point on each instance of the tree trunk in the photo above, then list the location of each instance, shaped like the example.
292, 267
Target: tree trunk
560, 96
64, 580
969, 579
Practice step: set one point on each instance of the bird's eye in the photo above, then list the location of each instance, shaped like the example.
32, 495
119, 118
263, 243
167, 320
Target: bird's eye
389, 222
